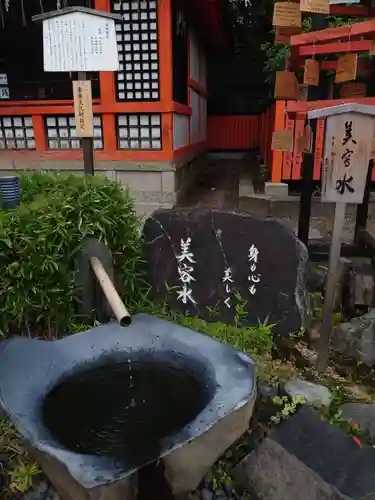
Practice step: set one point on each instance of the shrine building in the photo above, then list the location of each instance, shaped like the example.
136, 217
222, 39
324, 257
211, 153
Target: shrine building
150, 117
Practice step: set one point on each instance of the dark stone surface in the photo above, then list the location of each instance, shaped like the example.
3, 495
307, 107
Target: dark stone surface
328, 451
221, 240
228, 373
271, 473
362, 415
356, 338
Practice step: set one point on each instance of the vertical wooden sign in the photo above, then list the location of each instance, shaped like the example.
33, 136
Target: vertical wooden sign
347, 151
82, 96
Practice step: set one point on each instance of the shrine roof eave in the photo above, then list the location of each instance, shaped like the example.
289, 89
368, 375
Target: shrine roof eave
73, 10
342, 109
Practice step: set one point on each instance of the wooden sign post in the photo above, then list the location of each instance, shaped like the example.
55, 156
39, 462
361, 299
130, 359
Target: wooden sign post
78, 39
349, 134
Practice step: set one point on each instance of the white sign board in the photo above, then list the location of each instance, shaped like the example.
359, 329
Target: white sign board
347, 151
343, 2
79, 42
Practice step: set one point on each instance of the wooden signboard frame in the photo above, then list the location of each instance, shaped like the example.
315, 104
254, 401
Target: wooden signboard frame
353, 143
88, 24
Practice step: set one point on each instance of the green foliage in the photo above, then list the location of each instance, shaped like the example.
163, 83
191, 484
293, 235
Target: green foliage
256, 340
289, 406
22, 476
41, 240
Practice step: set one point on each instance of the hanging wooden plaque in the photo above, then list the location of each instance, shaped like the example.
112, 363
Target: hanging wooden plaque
316, 6
311, 72
303, 89
304, 143
286, 86
283, 34
286, 14
282, 141
355, 89
346, 68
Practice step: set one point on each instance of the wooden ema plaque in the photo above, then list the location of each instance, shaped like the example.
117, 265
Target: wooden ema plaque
287, 14
316, 6
282, 141
283, 34
286, 86
346, 68
355, 89
311, 72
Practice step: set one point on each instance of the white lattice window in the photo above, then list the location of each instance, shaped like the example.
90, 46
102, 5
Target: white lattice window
137, 43
61, 132
139, 131
16, 132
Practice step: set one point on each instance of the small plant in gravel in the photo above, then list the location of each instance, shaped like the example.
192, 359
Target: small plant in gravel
19, 470
289, 405
22, 477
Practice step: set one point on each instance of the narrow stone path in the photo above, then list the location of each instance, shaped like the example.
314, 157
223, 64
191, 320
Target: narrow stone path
216, 186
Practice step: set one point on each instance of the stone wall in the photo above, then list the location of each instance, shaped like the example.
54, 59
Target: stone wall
152, 185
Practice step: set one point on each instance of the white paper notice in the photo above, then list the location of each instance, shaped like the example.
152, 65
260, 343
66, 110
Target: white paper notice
79, 42
4, 93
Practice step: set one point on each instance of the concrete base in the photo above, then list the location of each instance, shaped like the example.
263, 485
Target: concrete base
69, 489
151, 184
276, 189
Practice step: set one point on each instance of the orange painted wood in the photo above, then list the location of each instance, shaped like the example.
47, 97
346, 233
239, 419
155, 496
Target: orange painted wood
39, 133
181, 109
191, 148
197, 87
165, 50
277, 156
288, 157
335, 48
319, 147
294, 107
109, 134
363, 65
103, 5
233, 132
297, 157
366, 28
167, 134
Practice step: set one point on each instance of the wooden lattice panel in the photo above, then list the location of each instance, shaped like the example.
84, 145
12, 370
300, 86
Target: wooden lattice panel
137, 42
141, 131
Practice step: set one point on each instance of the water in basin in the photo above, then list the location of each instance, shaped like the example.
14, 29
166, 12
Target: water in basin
124, 409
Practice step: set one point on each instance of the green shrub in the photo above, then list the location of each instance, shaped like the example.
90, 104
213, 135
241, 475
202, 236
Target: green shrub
40, 241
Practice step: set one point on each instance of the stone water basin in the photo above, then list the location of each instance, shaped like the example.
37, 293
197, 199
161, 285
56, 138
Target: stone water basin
98, 406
